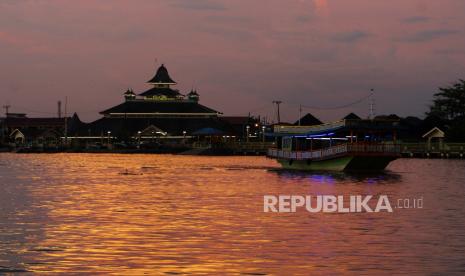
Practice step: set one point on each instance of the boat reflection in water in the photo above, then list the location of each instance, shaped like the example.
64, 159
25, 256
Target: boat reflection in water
334, 177
162, 214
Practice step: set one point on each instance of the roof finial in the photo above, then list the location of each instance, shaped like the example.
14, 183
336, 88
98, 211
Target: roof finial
162, 77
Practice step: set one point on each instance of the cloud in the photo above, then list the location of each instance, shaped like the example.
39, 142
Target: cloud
229, 33
226, 19
320, 55
350, 37
303, 18
13, 2
207, 5
8, 38
449, 52
428, 35
416, 19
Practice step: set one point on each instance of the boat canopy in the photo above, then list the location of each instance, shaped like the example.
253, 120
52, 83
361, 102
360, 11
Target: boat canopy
330, 129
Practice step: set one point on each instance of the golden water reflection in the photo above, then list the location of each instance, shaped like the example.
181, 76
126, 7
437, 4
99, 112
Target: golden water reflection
162, 214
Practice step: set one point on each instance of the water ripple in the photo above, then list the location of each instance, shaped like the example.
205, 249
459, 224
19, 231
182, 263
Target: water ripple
164, 214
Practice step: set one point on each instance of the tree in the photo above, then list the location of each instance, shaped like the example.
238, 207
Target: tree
449, 103
456, 132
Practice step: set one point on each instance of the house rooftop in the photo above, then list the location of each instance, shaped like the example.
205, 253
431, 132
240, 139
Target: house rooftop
308, 120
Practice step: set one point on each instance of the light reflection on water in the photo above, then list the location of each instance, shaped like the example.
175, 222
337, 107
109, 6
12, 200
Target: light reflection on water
134, 214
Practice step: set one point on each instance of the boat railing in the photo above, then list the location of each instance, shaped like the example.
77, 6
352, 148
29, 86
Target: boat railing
356, 148
376, 148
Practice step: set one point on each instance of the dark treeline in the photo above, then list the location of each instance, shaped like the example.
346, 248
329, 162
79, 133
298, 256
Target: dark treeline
446, 112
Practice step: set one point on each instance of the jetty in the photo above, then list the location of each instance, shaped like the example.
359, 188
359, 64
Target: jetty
437, 150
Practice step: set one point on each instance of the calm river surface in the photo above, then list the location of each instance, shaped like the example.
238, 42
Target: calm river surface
163, 214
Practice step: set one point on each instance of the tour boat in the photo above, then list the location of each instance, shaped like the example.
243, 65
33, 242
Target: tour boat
346, 145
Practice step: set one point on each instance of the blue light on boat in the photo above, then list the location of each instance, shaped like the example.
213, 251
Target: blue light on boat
321, 135
314, 136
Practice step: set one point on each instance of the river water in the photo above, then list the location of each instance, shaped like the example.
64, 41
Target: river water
165, 214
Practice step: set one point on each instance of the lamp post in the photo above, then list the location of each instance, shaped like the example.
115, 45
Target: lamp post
184, 134
263, 133
138, 138
248, 129
108, 138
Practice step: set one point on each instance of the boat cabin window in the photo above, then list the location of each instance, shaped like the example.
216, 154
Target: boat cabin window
287, 143
309, 144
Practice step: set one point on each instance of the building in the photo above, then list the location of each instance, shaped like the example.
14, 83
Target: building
244, 125
21, 130
161, 112
3, 132
434, 137
352, 116
308, 120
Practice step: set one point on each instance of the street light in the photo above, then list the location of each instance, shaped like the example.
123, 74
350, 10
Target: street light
108, 137
248, 129
138, 137
263, 133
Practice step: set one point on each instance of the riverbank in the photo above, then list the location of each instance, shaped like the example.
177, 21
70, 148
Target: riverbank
408, 150
227, 149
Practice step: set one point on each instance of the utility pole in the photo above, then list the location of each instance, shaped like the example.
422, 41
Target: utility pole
6, 107
277, 104
66, 120
59, 109
3, 126
372, 104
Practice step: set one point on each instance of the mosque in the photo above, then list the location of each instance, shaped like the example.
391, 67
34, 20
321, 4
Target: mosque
160, 111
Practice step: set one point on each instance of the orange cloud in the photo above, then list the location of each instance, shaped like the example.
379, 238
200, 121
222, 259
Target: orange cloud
9, 38
321, 6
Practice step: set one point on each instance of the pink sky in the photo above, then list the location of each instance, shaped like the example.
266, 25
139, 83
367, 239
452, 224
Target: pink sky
240, 55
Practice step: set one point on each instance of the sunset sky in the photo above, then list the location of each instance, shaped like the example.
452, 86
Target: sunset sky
240, 55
